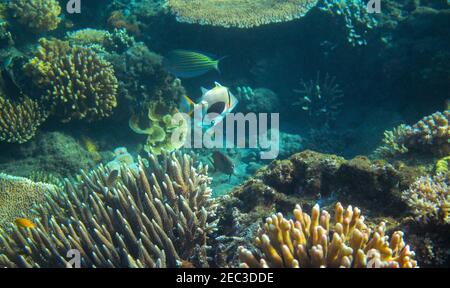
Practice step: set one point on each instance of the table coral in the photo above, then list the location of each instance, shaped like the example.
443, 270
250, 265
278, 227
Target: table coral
79, 84
20, 121
17, 197
239, 13
38, 15
314, 241
159, 217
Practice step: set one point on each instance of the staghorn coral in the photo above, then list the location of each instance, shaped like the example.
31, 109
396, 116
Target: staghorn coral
79, 84
17, 196
429, 135
312, 241
442, 166
20, 121
239, 13
37, 15
320, 98
158, 217
429, 199
392, 143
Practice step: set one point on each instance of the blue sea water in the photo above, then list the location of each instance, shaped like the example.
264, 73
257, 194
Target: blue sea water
331, 78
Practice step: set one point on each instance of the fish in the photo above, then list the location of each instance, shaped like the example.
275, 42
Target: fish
189, 64
112, 178
222, 163
214, 105
24, 223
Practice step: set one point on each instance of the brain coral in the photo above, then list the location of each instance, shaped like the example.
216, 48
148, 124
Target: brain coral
17, 196
312, 241
37, 15
156, 217
20, 121
79, 83
239, 13
429, 199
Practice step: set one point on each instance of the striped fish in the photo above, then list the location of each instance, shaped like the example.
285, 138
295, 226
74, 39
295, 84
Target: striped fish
189, 64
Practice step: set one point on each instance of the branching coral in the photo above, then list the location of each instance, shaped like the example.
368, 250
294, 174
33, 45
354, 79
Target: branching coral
159, 217
17, 196
431, 134
429, 199
38, 15
20, 121
80, 84
312, 241
320, 98
239, 13
358, 20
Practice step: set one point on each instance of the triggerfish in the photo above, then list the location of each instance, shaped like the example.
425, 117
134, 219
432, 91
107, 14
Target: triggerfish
214, 105
189, 64
24, 223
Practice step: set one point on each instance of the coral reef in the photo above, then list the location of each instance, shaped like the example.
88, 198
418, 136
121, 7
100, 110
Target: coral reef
160, 217
259, 100
161, 125
79, 84
37, 15
429, 199
239, 13
53, 152
314, 241
19, 121
358, 22
321, 98
17, 197
429, 135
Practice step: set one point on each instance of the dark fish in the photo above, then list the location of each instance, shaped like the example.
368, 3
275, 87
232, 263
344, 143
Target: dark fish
222, 163
112, 178
188, 64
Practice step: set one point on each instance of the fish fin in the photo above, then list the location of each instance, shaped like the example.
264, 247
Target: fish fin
217, 84
204, 91
187, 105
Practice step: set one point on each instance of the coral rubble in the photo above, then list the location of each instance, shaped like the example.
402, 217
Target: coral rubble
159, 217
315, 241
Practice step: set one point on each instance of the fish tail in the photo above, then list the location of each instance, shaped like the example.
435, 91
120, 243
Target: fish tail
187, 105
216, 63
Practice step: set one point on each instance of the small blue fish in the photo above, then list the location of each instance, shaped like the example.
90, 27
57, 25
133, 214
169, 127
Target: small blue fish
189, 64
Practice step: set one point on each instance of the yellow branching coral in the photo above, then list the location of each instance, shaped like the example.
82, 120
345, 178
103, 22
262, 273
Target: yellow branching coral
17, 197
393, 142
429, 199
442, 165
153, 217
20, 121
239, 13
38, 15
80, 84
312, 241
